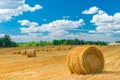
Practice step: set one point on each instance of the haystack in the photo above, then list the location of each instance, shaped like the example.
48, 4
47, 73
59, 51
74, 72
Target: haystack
31, 53
23, 52
85, 60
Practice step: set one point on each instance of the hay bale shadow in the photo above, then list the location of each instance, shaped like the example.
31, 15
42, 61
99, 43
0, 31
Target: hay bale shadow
111, 72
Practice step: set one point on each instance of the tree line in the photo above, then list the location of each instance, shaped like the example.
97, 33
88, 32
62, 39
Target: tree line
63, 42
6, 41
117, 41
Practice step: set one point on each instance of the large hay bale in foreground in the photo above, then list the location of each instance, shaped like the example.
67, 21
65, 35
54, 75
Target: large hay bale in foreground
23, 52
31, 53
85, 60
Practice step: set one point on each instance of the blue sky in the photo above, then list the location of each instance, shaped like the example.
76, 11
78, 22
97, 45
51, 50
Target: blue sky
35, 20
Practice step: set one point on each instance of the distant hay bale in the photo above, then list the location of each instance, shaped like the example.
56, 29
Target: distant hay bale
17, 52
23, 52
47, 50
38, 50
52, 46
14, 52
43, 50
85, 60
31, 53
70, 47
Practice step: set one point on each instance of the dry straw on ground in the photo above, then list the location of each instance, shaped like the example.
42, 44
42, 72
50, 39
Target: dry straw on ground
31, 53
85, 60
23, 52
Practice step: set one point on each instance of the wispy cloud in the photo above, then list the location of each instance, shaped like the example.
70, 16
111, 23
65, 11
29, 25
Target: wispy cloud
80, 35
66, 17
44, 19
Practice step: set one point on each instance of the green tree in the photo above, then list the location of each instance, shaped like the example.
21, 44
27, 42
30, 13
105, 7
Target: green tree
6, 41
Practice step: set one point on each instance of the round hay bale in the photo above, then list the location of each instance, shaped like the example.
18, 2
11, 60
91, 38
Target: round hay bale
14, 52
47, 50
31, 53
23, 52
85, 60
52, 46
38, 50
17, 52
43, 50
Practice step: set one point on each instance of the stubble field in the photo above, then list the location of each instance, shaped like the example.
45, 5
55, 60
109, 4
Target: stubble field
50, 64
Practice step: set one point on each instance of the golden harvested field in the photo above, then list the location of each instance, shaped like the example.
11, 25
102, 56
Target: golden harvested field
50, 64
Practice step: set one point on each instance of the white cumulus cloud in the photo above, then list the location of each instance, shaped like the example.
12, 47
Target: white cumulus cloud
91, 10
106, 23
61, 25
57, 29
50, 27
33, 26
10, 8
